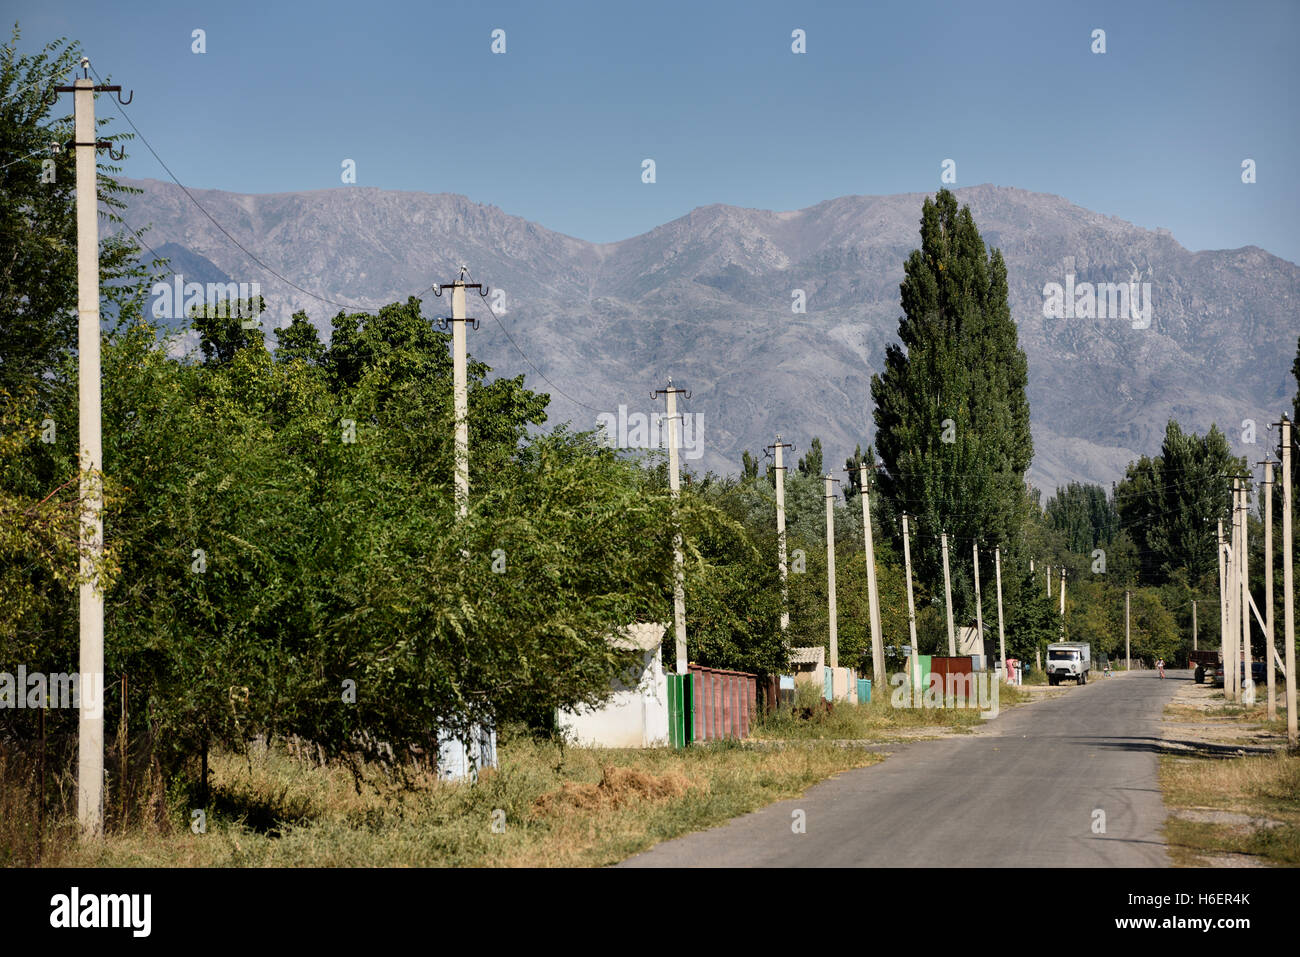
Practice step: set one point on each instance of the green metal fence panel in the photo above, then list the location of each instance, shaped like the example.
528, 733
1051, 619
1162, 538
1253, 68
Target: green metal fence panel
864, 691
923, 662
674, 710
680, 710
688, 711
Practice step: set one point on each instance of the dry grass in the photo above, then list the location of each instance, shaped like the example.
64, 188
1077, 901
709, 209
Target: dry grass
1229, 809
878, 720
543, 807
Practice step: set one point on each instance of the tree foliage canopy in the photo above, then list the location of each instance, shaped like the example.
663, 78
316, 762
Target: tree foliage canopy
951, 411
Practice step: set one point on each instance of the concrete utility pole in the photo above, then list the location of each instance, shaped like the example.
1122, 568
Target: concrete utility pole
1247, 675
1049, 581
833, 617
1223, 606
1288, 585
979, 610
460, 384
911, 605
1002, 638
1062, 602
1128, 648
947, 594
1194, 624
675, 487
90, 728
1270, 646
90, 732
779, 470
873, 596
1234, 596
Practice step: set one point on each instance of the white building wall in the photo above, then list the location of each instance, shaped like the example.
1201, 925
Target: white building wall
633, 717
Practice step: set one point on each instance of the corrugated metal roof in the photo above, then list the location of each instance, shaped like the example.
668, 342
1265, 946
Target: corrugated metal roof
808, 655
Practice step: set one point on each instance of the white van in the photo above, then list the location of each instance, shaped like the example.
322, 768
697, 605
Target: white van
1068, 660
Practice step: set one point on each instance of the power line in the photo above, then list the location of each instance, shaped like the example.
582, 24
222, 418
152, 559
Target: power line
52, 76
308, 292
213, 220
43, 149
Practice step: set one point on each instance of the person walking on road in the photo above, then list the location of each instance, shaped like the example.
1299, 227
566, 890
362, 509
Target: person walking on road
1160, 666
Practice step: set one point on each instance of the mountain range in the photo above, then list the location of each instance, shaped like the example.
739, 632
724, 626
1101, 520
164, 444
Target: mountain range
709, 299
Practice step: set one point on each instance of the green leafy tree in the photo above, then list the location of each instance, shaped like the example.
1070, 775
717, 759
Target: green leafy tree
299, 340
811, 464
1032, 619
952, 414
38, 223
1085, 514
1170, 504
853, 484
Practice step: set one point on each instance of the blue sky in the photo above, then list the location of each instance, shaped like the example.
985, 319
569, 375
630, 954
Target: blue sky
555, 129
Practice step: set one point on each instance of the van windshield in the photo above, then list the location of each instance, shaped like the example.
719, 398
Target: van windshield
1059, 655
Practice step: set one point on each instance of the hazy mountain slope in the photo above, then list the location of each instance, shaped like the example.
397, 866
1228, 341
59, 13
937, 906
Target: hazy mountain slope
707, 299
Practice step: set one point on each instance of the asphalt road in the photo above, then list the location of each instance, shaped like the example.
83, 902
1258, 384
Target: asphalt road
1024, 791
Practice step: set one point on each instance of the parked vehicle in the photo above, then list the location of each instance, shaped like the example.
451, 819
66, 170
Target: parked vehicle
1069, 660
1215, 672
1204, 662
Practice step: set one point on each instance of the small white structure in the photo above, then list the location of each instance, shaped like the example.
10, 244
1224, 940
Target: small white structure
458, 760
970, 642
636, 715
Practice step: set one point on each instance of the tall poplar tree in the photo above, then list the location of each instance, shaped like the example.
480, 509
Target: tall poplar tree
952, 416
